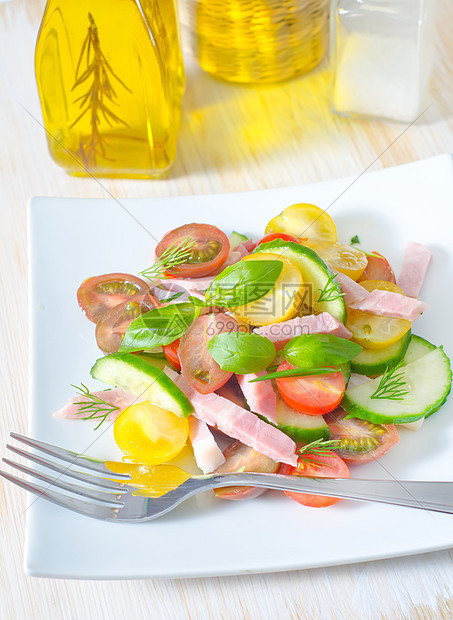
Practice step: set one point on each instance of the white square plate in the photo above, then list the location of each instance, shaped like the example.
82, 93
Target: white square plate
71, 239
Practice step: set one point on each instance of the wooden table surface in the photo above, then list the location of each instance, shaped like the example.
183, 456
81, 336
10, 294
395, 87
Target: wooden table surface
232, 138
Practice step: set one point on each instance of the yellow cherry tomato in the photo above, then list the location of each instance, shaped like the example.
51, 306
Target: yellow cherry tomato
304, 221
281, 302
381, 285
375, 332
149, 434
344, 258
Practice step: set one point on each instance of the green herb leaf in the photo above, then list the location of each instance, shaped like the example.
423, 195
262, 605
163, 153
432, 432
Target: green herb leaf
241, 352
355, 239
93, 407
295, 372
158, 327
176, 254
319, 447
197, 302
331, 291
243, 283
312, 350
392, 385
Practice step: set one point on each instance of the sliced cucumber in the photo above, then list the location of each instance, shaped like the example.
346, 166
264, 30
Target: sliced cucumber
375, 361
236, 239
315, 274
300, 427
418, 347
136, 375
428, 380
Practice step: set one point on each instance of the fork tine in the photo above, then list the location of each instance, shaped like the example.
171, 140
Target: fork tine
88, 509
110, 485
68, 456
72, 488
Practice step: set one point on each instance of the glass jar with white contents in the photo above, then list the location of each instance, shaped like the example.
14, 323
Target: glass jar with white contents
381, 56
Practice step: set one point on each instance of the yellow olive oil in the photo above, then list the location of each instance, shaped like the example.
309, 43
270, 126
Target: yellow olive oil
258, 41
111, 78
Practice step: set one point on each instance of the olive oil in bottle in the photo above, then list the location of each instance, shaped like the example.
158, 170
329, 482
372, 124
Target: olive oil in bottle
258, 41
110, 78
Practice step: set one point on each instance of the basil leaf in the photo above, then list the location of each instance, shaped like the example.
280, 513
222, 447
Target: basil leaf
295, 372
241, 352
243, 283
195, 301
314, 350
158, 327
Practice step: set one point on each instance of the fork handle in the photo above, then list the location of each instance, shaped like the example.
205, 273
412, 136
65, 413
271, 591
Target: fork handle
427, 495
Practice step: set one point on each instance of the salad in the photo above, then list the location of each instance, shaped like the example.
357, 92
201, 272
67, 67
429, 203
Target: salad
299, 349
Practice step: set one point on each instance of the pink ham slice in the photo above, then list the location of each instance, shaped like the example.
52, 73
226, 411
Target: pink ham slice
324, 323
415, 265
118, 398
385, 303
207, 453
353, 292
260, 396
239, 423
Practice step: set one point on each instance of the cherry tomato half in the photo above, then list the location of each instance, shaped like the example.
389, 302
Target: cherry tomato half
99, 294
239, 457
305, 220
313, 395
147, 433
360, 441
378, 268
198, 367
112, 326
273, 236
171, 353
326, 465
211, 247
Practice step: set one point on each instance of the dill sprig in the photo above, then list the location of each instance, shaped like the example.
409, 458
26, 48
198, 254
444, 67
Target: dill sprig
330, 291
391, 385
319, 447
174, 255
95, 407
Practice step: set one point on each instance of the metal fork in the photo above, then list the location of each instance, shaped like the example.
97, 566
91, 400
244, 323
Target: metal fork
108, 496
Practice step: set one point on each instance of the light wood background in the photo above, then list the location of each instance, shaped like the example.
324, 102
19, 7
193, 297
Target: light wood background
232, 138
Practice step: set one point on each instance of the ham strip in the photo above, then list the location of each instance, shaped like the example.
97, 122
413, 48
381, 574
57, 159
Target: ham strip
415, 265
260, 396
207, 453
385, 303
324, 323
353, 292
118, 398
238, 423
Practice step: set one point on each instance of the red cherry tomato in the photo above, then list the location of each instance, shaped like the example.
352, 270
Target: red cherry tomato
112, 326
211, 247
378, 268
273, 236
171, 353
361, 441
313, 395
99, 294
332, 467
198, 367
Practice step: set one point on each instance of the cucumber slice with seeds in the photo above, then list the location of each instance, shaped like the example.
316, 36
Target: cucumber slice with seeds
376, 361
136, 375
428, 380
